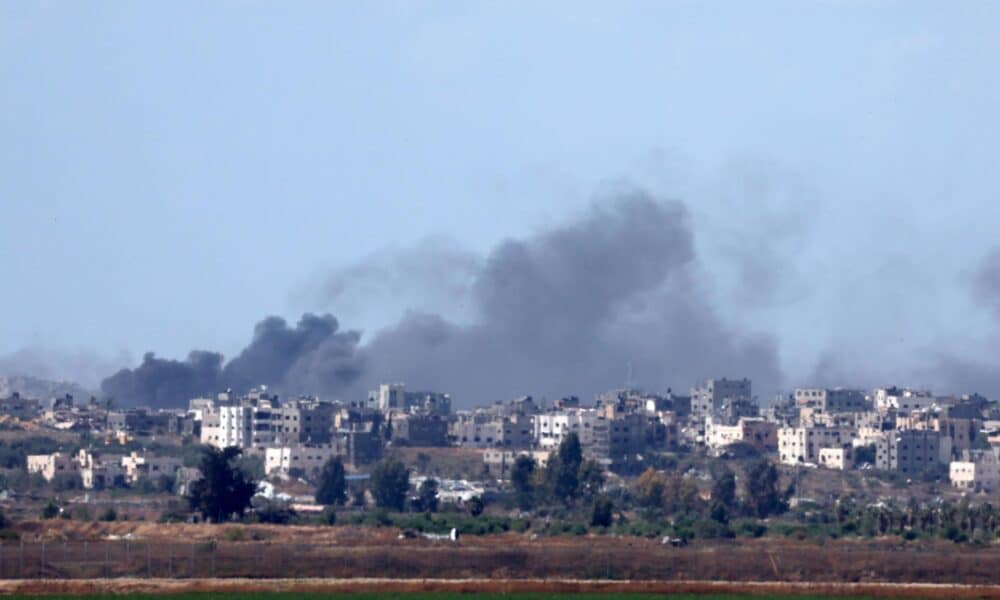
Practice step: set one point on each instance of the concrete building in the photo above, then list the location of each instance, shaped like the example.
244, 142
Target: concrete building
902, 400
388, 396
835, 458
710, 397
909, 451
426, 430
50, 465
100, 471
836, 400
757, 432
800, 445
138, 421
978, 471
307, 459
227, 426
138, 466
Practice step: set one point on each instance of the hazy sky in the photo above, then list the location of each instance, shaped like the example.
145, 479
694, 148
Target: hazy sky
171, 172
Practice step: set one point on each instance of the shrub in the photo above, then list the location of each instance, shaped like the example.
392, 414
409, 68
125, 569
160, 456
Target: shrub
50, 510
108, 515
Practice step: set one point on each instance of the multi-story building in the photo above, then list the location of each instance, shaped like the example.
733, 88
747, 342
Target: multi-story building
419, 430
710, 397
836, 400
909, 451
757, 432
799, 445
226, 426
902, 400
307, 459
978, 471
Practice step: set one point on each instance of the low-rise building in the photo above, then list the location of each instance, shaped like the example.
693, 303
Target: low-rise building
800, 445
978, 471
307, 459
138, 466
754, 431
50, 465
835, 458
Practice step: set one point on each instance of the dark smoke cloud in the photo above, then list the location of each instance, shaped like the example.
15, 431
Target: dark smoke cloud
978, 373
985, 282
312, 357
569, 310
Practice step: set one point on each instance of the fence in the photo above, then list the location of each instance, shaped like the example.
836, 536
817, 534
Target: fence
419, 559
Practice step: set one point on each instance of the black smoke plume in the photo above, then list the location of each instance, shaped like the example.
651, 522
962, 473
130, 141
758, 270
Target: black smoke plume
573, 310
312, 357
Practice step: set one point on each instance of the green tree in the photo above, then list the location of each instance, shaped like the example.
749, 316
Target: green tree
476, 506
564, 471
50, 510
522, 475
390, 482
591, 479
762, 495
332, 488
602, 512
650, 489
724, 489
427, 496
224, 490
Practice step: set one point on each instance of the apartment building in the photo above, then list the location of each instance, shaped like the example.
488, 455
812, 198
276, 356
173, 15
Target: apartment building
710, 397
799, 445
909, 451
307, 459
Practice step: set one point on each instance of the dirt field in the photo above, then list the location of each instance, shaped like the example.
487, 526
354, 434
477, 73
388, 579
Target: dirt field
328, 586
68, 550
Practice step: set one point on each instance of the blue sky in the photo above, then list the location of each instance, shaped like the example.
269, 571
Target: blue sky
171, 172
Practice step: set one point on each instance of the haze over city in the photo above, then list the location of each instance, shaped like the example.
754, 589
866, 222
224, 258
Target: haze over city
501, 199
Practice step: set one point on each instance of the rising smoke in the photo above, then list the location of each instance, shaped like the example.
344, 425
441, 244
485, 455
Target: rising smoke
567, 311
313, 356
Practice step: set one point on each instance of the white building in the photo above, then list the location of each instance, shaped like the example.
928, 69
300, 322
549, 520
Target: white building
227, 426
798, 445
50, 465
551, 428
751, 430
979, 471
834, 458
305, 458
902, 400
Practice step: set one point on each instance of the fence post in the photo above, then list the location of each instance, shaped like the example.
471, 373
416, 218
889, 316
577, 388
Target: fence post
41, 562
127, 558
86, 556
149, 562
20, 562
107, 560
191, 572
